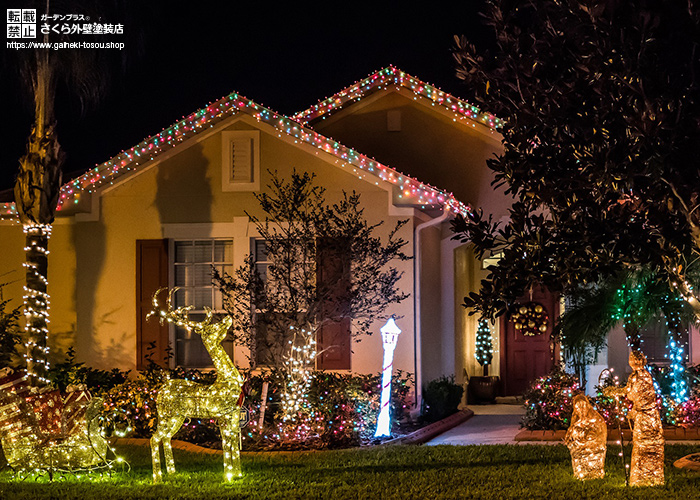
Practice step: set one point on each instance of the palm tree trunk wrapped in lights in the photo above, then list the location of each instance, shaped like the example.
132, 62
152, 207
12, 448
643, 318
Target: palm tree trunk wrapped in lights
36, 196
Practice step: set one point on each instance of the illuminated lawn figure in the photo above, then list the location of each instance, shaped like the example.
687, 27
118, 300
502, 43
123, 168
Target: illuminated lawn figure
181, 399
647, 435
42, 431
390, 335
586, 439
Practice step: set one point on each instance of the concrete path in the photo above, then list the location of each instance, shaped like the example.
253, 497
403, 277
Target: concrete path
491, 424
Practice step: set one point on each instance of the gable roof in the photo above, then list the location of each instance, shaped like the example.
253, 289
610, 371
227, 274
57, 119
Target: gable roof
392, 76
411, 191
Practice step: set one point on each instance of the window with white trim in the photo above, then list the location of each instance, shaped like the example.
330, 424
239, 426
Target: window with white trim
193, 263
240, 160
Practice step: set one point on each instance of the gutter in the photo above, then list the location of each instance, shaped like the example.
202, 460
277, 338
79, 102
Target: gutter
417, 335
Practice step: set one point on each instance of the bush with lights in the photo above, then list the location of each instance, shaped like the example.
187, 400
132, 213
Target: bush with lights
548, 401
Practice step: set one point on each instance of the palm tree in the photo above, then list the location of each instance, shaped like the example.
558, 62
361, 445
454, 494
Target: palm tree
633, 297
38, 183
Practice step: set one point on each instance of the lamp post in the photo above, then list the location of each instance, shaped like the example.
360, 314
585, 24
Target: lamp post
390, 335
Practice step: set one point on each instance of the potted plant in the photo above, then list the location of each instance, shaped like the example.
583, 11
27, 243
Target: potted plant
483, 389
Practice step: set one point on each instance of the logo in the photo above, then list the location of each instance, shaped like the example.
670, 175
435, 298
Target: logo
21, 23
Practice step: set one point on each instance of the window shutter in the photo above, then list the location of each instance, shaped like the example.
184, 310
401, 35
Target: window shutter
151, 274
333, 338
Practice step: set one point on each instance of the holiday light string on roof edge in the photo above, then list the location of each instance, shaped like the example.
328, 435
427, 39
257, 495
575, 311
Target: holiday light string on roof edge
393, 76
410, 190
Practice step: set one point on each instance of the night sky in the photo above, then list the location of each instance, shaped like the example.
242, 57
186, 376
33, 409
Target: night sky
285, 58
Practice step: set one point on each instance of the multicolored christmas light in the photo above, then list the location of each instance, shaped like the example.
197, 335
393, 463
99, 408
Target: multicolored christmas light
390, 336
410, 191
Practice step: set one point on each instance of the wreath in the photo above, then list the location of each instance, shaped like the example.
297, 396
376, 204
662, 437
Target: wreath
530, 319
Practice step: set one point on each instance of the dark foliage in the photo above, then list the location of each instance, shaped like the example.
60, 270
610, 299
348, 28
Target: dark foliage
601, 102
9, 332
441, 397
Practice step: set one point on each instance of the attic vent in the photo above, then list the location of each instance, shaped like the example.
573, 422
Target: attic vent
240, 162
393, 120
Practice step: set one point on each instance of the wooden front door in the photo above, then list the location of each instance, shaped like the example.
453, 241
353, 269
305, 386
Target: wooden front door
525, 358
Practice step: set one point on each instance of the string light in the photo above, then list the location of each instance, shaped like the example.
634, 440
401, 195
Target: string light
179, 399
586, 439
484, 345
36, 302
409, 190
647, 468
44, 433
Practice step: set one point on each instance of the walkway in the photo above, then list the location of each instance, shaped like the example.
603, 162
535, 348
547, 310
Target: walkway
491, 424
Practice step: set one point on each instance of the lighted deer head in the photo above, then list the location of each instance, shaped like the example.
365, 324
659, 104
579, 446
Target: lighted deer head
212, 335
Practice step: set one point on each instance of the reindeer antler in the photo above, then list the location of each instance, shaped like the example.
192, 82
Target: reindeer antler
179, 316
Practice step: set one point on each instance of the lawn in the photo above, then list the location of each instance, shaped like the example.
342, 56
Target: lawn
499, 471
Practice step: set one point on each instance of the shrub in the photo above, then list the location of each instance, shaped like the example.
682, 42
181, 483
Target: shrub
9, 332
441, 397
548, 401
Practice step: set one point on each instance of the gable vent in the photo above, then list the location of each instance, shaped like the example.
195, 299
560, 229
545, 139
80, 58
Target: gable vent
240, 160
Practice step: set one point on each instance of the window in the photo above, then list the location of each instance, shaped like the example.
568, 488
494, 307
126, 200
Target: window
193, 263
655, 341
240, 160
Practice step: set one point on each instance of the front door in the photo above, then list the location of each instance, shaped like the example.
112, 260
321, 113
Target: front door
527, 357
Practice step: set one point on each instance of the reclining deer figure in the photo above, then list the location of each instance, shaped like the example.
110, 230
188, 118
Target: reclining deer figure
180, 399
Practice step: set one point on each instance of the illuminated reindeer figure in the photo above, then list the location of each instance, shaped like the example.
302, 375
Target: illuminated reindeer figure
180, 399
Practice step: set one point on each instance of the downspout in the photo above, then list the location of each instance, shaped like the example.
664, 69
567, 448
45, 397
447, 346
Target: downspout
416, 305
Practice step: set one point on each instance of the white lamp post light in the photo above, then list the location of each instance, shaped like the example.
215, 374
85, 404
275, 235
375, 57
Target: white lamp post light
390, 334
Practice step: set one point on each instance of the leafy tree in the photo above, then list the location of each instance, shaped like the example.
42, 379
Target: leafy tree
326, 265
83, 73
601, 104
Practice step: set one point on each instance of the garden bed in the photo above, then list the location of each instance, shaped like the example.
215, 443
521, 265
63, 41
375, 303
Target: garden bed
670, 434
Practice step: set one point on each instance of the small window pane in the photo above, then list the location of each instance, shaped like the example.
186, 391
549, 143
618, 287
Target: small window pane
202, 298
260, 251
223, 251
183, 297
184, 276
202, 275
184, 251
202, 251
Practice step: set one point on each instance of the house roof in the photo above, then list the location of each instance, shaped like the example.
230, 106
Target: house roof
411, 191
394, 77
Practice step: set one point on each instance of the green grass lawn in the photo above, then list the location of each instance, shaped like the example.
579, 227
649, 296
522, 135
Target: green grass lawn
422, 472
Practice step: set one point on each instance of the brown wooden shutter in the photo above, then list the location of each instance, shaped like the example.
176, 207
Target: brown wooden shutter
334, 336
151, 274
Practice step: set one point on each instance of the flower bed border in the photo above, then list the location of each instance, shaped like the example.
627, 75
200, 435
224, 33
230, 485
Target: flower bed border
670, 434
428, 432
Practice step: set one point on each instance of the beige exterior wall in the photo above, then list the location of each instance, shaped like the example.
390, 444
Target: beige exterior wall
468, 275
93, 262
431, 146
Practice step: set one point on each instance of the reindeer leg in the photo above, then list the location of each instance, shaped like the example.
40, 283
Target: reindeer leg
231, 440
156, 439
174, 424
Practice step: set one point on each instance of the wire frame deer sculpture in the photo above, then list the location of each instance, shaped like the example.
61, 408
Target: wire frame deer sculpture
180, 399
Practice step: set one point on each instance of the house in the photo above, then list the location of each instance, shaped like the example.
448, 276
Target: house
166, 210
